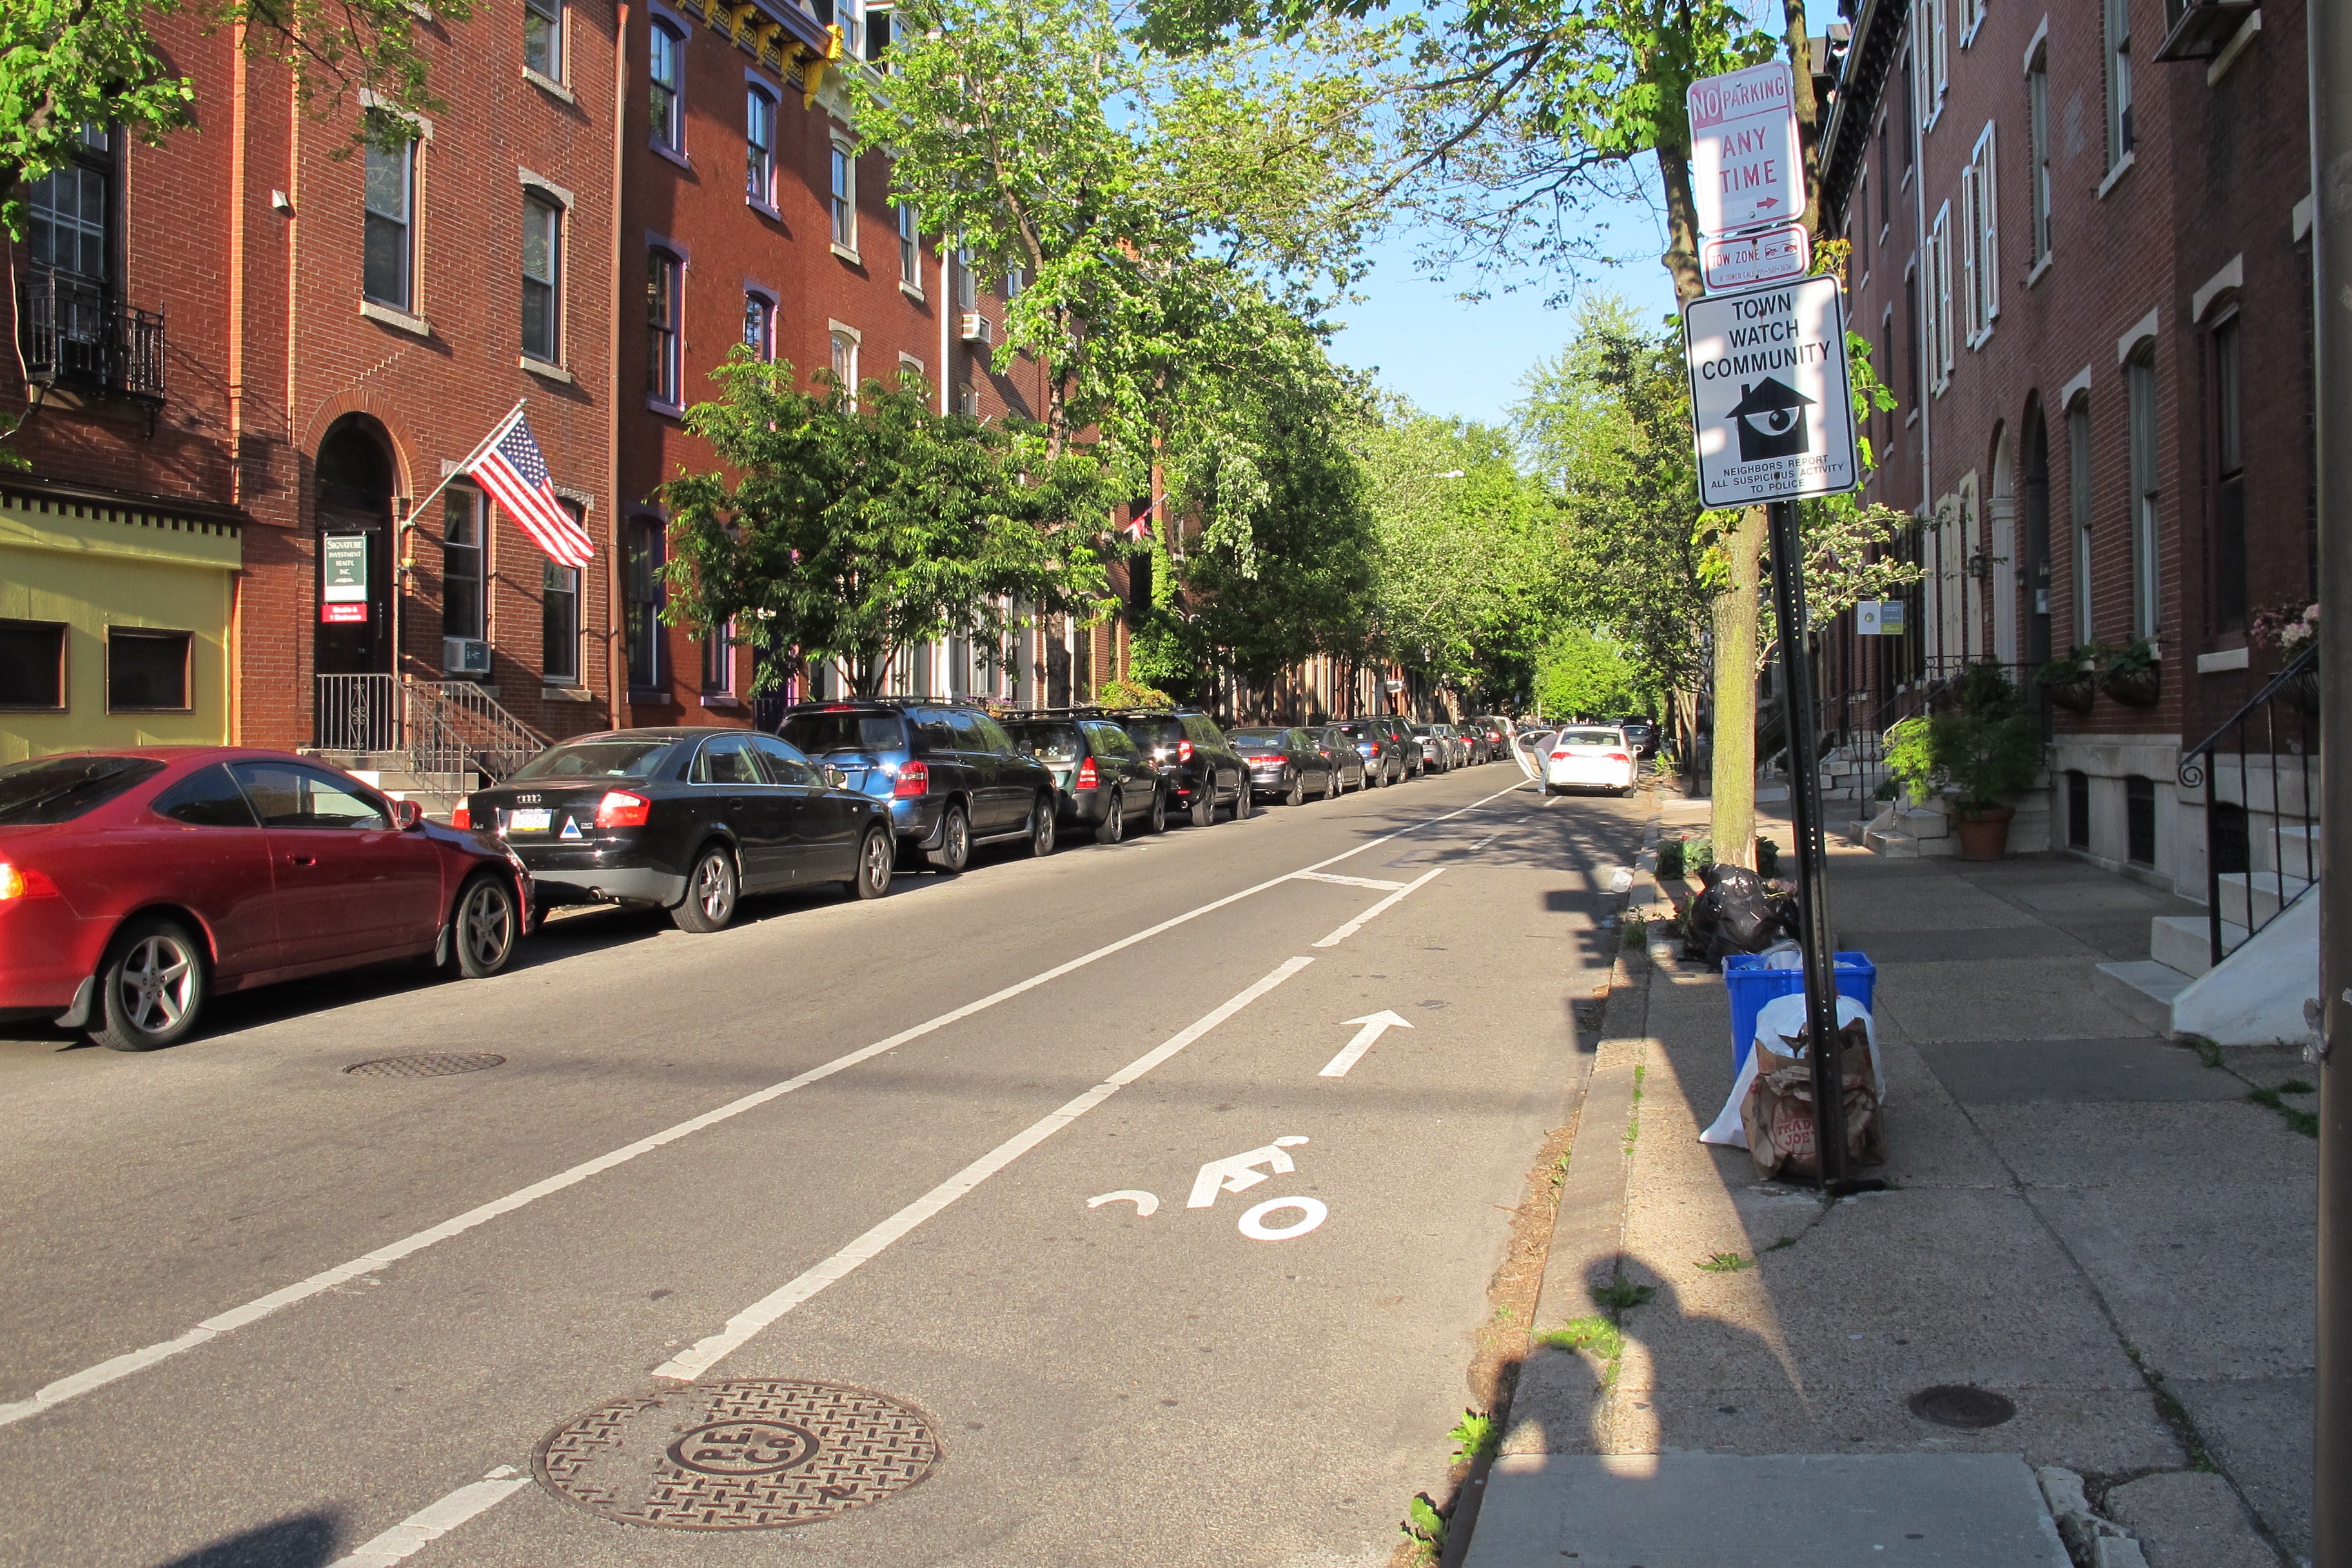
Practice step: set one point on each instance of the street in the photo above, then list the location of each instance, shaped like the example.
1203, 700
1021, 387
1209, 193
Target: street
1058, 1178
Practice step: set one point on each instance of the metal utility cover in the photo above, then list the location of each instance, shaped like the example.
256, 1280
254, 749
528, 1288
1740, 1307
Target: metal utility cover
1770, 405
1745, 169
1763, 256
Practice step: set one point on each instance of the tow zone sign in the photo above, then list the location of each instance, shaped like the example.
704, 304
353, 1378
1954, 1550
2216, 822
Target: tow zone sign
1770, 402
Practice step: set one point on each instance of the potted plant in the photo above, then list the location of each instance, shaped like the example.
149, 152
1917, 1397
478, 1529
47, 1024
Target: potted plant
2131, 674
2289, 629
2071, 679
1990, 750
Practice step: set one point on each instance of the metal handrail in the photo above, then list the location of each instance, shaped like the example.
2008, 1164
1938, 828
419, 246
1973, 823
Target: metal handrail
2201, 762
437, 726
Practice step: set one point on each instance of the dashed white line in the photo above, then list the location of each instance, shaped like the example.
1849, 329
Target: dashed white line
432, 1522
1353, 926
1346, 882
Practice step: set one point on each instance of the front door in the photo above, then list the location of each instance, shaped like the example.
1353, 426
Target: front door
824, 822
350, 886
758, 813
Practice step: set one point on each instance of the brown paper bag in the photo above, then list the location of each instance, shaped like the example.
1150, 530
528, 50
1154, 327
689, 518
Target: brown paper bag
1779, 1110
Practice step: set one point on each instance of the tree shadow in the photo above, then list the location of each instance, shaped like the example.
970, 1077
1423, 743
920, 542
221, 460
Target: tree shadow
304, 1540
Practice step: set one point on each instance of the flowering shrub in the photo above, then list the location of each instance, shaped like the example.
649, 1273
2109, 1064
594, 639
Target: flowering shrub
2288, 628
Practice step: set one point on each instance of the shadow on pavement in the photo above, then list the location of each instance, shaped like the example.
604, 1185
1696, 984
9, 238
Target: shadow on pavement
297, 1541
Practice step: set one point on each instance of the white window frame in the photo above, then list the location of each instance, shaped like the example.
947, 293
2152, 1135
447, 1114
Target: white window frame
911, 249
843, 343
409, 153
2080, 508
907, 362
2037, 151
1979, 211
2142, 467
668, 393
557, 15
551, 574
759, 180
842, 198
670, 134
538, 193
1972, 16
1936, 300
2115, 43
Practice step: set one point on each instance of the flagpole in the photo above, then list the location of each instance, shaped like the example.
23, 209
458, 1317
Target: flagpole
483, 445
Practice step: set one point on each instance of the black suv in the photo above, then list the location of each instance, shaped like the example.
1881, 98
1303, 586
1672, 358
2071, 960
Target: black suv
1198, 767
1107, 782
951, 774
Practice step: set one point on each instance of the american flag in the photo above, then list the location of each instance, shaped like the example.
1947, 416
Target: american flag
512, 470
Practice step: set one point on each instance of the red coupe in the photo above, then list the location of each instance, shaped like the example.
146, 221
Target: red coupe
135, 884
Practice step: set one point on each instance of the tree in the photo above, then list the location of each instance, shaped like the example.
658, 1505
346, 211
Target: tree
1584, 672
860, 528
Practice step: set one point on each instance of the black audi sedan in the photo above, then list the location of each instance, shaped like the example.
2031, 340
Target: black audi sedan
688, 820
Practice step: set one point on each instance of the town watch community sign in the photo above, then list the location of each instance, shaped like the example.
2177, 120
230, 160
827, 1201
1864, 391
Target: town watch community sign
1769, 400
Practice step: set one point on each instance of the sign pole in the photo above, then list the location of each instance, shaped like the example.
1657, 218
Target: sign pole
1825, 1052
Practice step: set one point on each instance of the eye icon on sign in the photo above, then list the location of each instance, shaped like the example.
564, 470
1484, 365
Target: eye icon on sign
1770, 419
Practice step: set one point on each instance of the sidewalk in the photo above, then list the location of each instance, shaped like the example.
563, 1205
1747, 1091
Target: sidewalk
2087, 1220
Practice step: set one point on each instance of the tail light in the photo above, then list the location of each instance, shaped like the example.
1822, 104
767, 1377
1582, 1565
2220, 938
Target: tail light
1087, 777
1559, 756
1618, 757
1183, 751
24, 882
463, 817
621, 808
914, 781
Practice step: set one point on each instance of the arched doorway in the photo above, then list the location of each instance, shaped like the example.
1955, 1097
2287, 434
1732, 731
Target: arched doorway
2000, 546
352, 508
2035, 493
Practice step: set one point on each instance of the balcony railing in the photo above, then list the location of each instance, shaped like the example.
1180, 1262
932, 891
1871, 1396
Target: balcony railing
74, 335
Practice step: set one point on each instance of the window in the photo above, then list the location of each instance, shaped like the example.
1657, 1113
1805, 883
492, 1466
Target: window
718, 662
759, 325
664, 379
2139, 379
785, 765
1972, 16
641, 628
878, 33
1979, 203
2078, 502
911, 249
1015, 279
967, 401
1885, 180
2119, 82
542, 255
32, 665
558, 624
845, 198
1911, 96
727, 759
2229, 481
2078, 809
2037, 165
1857, 225
461, 563
1939, 299
1917, 330
1941, 57
542, 37
146, 672
760, 147
69, 206
844, 364
1886, 371
391, 183
206, 798
2140, 819
967, 286
287, 795
665, 69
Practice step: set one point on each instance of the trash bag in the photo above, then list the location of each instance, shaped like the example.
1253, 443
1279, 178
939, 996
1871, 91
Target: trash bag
1777, 1113
1736, 913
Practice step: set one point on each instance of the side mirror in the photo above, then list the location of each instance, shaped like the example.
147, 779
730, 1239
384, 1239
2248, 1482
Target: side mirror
407, 816
835, 777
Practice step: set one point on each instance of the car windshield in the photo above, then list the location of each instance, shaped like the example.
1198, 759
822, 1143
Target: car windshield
59, 789
819, 733
613, 759
1048, 741
1590, 738
1259, 740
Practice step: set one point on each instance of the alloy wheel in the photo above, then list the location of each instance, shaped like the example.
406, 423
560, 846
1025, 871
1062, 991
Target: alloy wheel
157, 982
874, 864
486, 928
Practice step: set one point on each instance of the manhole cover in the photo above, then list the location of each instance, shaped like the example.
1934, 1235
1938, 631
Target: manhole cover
1958, 1405
748, 1454
432, 1064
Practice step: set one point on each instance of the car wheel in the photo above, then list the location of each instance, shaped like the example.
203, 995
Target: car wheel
1205, 803
1245, 798
954, 852
877, 858
487, 926
1113, 827
1158, 811
710, 891
152, 987
1297, 796
1041, 827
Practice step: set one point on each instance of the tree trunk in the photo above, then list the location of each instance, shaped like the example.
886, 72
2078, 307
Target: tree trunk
1735, 608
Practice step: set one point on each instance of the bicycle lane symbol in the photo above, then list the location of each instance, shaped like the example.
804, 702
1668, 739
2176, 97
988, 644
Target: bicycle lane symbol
1238, 1173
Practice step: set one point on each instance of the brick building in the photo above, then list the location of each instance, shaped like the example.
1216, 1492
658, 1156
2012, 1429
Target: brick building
2081, 253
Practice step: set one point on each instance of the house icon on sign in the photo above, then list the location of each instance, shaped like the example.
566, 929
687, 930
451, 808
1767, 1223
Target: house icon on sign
1770, 418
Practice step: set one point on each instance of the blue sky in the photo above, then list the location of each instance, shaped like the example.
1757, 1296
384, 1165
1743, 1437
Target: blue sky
1451, 356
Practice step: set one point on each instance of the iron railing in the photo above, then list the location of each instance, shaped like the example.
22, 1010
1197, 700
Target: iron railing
2274, 740
437, 726
74, 335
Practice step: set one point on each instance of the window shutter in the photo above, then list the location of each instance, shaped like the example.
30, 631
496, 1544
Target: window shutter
1943, 52
1989, 212
1969, 296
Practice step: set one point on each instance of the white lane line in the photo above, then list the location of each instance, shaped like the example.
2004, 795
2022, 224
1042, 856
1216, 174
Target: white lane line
1353, 926
432, 1522
1346, 882
75, 1384
1488, 839
692, 1363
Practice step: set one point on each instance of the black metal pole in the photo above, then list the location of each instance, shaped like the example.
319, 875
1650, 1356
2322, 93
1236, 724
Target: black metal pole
2330, 28
1812, 872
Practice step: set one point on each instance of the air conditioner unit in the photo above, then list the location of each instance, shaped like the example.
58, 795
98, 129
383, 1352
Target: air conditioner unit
464, 656
978, 329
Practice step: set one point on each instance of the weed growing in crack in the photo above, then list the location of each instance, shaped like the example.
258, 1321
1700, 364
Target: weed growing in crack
1559, 1170
2303, 1121
1637, 931
2297, 1086
1473, 1436
2207, 1051
1424, 1527
1634, 1119
2175, 1414
1597, 1334
1621, 1294
1727, 1263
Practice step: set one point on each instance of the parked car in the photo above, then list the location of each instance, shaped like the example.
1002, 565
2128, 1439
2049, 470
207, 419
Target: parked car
1288, 765
1198, 767
1416, 761
1495, 730
1436, 747
688, 820
1590, 757
1348, 768
137, 884
1385, 761
951, 776
1104, 781
1642, 734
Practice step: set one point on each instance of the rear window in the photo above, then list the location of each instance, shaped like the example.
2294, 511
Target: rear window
1356, 731
1046, 741
819, 733
1259, 740
1590, 738
597, 760
59, 789
1150, 732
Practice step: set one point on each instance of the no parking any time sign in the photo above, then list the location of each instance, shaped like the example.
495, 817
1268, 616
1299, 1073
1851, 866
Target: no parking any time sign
1769, 400
1745, 169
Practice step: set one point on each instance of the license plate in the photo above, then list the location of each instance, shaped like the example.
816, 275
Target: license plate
527, 821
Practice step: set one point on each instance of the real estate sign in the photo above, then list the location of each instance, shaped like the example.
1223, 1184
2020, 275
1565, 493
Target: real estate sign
1745, 167
1770, 405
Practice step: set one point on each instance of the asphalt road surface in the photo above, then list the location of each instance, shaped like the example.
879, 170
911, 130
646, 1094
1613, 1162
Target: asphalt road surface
1067, 1212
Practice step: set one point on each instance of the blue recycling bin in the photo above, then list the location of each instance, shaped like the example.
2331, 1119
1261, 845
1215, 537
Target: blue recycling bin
1752, 985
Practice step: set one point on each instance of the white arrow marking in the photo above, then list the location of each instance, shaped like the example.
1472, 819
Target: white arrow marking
1240, 1174
1374, 1027
1146, 1204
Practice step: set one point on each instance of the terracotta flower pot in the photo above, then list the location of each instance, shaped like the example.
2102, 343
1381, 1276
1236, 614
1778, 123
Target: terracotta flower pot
1984, 833
2134, 688
2075, 696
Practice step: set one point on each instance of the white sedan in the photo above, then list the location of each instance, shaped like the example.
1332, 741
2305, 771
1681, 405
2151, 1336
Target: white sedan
1589, 758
